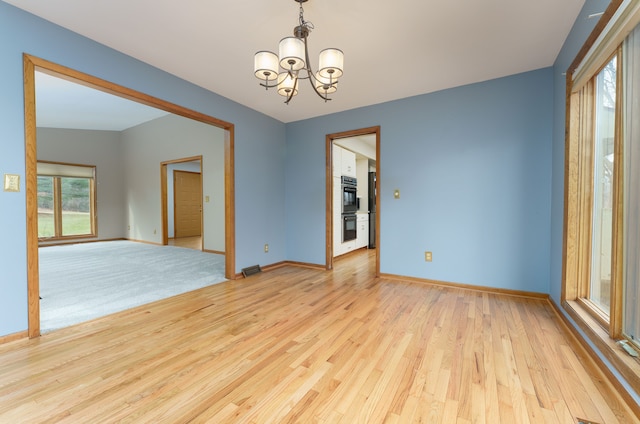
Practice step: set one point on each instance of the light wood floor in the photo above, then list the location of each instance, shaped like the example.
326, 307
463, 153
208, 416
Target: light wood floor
188, 242
303, 345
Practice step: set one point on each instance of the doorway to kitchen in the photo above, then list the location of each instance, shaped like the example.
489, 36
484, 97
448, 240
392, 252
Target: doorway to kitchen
352, 160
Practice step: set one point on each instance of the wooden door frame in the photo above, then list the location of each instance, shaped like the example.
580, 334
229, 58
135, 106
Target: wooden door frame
164, 198
30, 64
330, 138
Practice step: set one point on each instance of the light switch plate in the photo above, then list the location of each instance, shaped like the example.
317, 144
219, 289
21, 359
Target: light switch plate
396, 194
11, 182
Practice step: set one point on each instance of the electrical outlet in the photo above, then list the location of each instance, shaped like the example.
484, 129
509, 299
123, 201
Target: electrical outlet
266, 248
396, 193
428, 257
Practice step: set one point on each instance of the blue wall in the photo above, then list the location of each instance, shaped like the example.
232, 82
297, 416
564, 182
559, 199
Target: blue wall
259, 148
473, 166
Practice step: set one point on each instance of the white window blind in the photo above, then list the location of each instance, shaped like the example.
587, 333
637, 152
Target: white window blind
51, 169
631, 197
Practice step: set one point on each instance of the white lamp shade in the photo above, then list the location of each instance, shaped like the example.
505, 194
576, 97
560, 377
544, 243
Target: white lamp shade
291, 53
325, 85
286, 85
331, 63
265, 65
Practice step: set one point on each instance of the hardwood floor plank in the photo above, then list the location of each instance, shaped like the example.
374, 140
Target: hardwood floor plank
301, 345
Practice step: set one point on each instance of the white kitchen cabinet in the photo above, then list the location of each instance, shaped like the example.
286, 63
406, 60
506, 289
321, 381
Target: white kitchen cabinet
348, 163
337, 160
337, 217
362, 234
348, 247
344, 162
362, 174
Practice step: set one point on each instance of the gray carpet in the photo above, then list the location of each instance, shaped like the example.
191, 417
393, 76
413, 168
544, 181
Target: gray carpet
80, 282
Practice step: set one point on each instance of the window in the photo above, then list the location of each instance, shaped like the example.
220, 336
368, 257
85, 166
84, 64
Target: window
599, 289
594, 137
601, 285
66, 199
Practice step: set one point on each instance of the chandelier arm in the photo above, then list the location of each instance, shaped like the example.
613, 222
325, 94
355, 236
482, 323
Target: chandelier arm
267, 86
310, 74
291, 93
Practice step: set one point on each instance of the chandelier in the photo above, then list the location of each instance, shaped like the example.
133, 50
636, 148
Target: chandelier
292, 64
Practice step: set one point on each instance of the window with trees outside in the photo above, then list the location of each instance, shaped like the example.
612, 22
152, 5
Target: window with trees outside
601, 281
66, 201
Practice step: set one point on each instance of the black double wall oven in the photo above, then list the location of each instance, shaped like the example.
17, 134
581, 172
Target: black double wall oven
349, 208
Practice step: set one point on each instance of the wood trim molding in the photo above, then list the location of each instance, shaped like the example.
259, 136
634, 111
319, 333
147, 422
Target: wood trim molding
13, 337
281, 264
217, 252
379, 182
293, 263
164, 208
595, 33
229, 203
605, 346
91, 81
153, 243
569, 183
617, 251
30, 64
329, 202
31, 184
484, 289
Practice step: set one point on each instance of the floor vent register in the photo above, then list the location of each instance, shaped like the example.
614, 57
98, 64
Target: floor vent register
250, 270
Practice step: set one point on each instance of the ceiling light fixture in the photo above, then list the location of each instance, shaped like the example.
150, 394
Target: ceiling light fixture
284, 70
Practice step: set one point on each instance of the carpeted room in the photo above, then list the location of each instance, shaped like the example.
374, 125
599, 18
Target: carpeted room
83, 281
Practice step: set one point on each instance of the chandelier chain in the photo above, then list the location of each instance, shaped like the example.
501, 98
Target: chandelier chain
304, 24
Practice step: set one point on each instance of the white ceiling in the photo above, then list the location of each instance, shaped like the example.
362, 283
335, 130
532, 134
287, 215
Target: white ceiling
393, 49
64, 104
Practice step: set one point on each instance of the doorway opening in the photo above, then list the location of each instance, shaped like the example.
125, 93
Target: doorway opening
33, 64
182, 213
362, 157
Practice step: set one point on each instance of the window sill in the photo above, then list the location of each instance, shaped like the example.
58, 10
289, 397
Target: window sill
588, 307
626, 365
